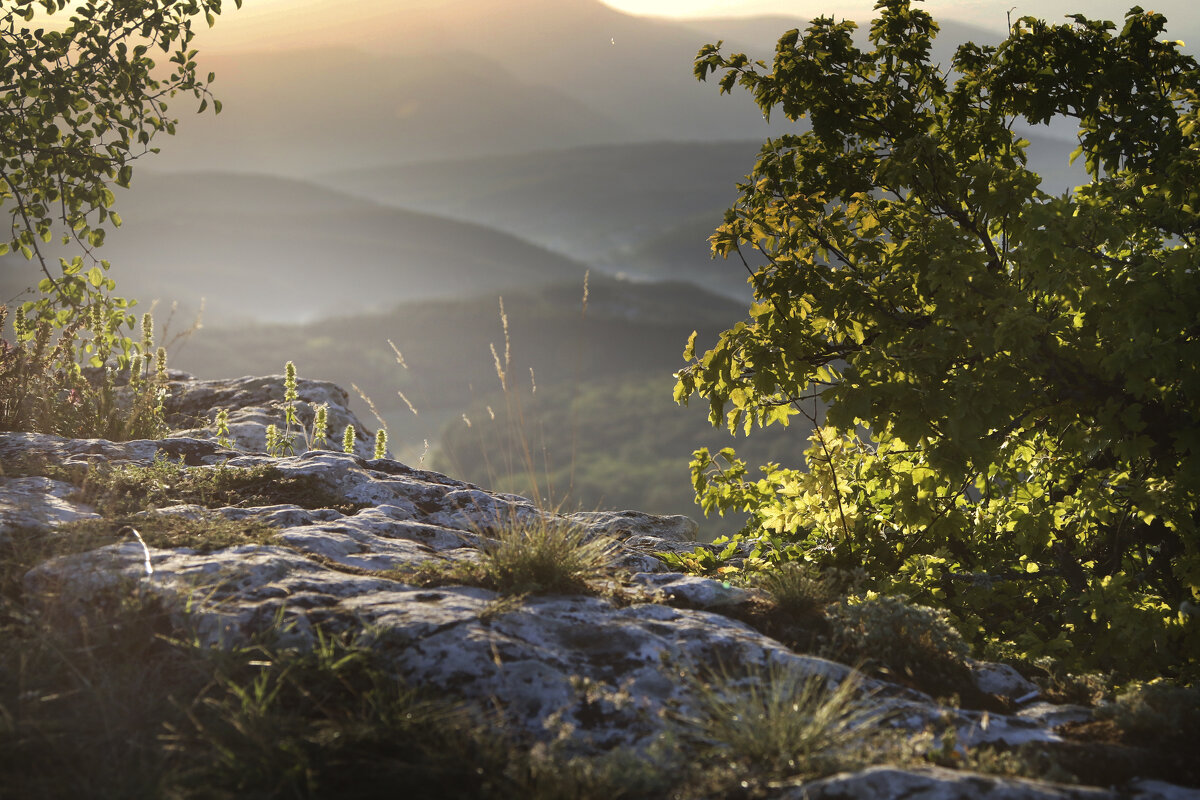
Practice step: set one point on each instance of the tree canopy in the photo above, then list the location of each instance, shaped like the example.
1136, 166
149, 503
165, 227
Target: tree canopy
79, 101
1002, 386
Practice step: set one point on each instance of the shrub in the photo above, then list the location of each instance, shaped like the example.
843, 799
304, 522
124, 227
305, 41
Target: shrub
44, 390
1156, 711
999, 383
910, 642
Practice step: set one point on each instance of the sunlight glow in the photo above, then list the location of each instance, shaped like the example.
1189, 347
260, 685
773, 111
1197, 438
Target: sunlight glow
984, 13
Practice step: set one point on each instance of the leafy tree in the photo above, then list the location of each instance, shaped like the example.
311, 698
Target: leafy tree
1012, 379
79, 101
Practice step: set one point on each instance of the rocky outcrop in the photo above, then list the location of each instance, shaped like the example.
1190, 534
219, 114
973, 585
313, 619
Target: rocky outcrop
253, 403
611, 667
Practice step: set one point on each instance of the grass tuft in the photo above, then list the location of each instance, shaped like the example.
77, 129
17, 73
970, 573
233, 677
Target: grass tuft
797, 589
545, 556
774, 723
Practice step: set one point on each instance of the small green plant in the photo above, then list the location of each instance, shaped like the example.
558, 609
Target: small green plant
273, 446
348, 439
380, 443
283, 443
320, 434
222, 425
290, 396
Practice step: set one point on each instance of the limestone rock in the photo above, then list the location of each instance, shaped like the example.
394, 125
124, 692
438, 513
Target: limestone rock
36, 502
253, 403
1003, 681
346, 572
604, 670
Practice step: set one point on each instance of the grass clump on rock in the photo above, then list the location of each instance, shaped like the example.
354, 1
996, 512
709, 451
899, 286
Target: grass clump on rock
772, 723
544, 557
797, 589
538, 556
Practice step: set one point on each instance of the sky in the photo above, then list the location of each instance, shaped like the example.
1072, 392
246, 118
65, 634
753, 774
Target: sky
264, 24
984, 13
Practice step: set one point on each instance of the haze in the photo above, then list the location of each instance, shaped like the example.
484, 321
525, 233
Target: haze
290, 23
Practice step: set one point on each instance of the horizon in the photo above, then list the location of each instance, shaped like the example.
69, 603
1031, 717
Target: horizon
273, 25
288, 24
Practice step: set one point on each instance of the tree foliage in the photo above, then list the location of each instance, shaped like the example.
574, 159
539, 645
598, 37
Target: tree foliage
1012, 379
79, 101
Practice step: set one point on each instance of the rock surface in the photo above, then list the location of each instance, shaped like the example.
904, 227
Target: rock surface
253, 403
610, 667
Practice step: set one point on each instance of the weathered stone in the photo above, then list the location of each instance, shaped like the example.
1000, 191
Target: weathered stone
604, 670
253, 403
635, 527
1003, 681
37, 503
695, 591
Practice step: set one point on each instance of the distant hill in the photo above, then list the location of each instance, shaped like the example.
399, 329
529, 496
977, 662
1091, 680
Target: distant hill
294, 112
602, 409
274, 249
400, 83
628, 328
644, 209
279, 249
591, 203
523, 75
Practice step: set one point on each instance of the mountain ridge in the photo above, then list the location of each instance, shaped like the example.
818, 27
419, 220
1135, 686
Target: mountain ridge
230, 238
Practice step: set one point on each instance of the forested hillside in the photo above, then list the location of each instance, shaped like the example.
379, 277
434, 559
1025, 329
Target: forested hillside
601, 424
